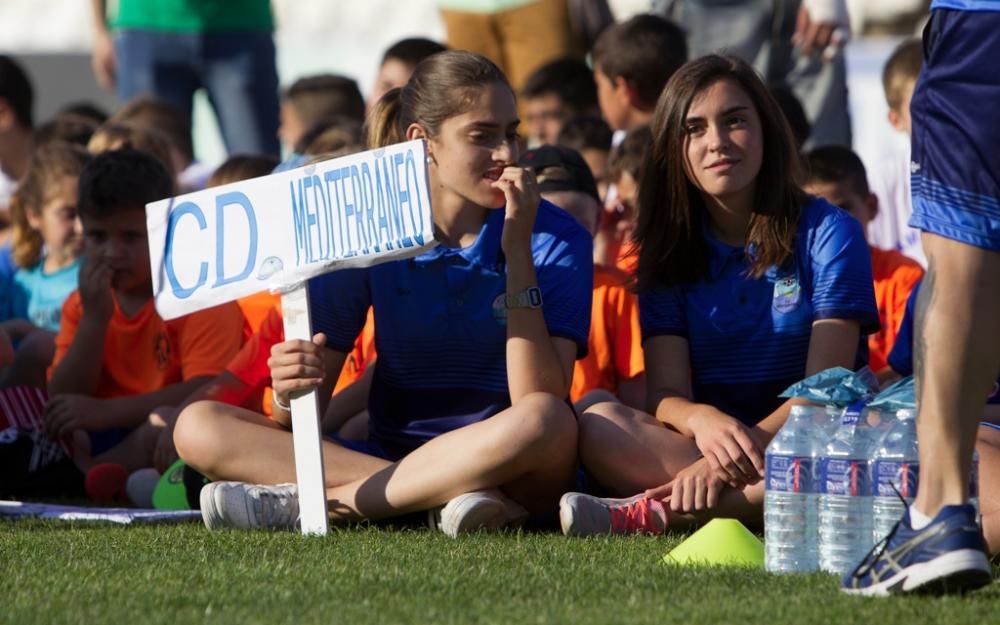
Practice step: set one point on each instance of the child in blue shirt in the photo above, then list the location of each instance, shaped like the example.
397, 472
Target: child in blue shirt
476, 340
746, 285
46, 244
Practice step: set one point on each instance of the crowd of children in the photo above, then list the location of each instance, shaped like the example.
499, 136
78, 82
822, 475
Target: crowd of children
613, 311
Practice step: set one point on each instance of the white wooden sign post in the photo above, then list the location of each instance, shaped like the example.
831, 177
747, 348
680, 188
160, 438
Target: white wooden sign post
274, 233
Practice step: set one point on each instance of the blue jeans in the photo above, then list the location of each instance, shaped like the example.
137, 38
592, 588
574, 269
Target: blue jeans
237, 70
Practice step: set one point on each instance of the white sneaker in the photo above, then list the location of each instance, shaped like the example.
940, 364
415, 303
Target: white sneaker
478, 510
250, 506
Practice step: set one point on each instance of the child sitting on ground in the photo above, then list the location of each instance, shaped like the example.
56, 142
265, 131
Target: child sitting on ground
613, 369
838, 175
46, 246
116, 358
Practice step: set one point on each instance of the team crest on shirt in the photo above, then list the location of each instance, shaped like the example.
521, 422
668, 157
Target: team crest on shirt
500, 309
787, 294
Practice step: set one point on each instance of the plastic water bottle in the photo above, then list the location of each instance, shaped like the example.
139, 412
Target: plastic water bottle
896, 472
845, 502
791, 492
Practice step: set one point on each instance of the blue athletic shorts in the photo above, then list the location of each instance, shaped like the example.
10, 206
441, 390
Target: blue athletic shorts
956, 129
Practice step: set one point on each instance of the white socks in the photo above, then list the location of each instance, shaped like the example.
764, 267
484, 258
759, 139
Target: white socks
919, 520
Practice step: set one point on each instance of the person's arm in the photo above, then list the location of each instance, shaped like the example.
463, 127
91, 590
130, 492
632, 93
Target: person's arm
351, 400
832, 343
78, 370
302, 366
73, 411
103, 60
536, 361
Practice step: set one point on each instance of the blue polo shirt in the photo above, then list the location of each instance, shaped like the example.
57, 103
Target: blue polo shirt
441, 325
901, 356
749, 338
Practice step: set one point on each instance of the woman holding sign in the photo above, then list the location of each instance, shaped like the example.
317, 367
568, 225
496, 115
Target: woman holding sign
476, 341
746, 285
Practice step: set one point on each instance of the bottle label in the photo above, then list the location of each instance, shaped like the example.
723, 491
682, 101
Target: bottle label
845, 476
852, 413
890, 474
789, 474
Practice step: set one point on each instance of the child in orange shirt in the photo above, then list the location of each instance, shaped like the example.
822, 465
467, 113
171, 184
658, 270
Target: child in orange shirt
116, 358
613, 368
838, 175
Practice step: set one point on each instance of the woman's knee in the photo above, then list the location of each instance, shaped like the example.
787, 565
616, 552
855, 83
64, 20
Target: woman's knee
199, 434
546, 422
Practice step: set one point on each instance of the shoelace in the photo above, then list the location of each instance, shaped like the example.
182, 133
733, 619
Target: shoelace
636, 516
273, 510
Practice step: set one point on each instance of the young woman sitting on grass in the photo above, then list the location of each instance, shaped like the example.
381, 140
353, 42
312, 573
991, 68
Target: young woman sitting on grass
746, 285
476, 341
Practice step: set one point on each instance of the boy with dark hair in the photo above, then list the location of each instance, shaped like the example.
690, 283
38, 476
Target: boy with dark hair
838, 175
591, 137
890, 176
116, 358
632, 62
398, 62
313, 99
552, 94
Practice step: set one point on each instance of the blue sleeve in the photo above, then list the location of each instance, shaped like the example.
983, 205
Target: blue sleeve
842, 285
901, 356
565, 271
662, 312
339, 303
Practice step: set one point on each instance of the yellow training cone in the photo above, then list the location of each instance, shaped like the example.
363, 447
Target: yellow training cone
720, 541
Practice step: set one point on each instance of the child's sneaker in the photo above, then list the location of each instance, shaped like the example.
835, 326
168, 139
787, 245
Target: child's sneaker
250, 506
585, 515
947, 556
478, 510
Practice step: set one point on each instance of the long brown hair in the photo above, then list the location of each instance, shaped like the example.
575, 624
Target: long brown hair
50, 164
442, 86
671, 212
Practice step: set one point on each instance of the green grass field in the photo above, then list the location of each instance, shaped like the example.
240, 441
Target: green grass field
67, 573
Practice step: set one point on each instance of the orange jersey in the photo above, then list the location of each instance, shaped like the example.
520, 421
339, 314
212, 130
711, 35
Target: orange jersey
895, 275
615, 342
250, 364
255, 309
144, 353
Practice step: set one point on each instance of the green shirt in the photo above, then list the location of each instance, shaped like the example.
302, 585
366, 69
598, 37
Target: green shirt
189, 16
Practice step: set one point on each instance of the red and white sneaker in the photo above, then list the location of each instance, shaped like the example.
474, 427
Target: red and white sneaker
585, 515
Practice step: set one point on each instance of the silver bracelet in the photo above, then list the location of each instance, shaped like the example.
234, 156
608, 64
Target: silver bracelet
277, 402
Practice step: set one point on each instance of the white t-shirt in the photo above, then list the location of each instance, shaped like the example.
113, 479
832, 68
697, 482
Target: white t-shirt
889, 179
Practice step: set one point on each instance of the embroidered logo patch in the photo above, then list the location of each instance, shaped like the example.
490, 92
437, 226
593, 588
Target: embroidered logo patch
787, 294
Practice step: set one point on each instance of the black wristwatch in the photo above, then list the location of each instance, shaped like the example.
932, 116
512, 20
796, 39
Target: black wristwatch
530, 297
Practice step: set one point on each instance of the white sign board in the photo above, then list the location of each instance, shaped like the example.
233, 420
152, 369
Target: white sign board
275, 232
224, 243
